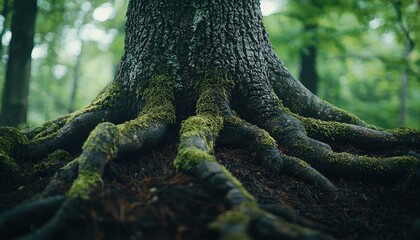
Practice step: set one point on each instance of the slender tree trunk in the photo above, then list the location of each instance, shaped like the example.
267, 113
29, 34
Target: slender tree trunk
76, 78
308, 74
15, 91
4, 13
404, 83
409, 46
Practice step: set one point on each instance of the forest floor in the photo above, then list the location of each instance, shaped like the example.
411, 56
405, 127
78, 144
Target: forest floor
148, 200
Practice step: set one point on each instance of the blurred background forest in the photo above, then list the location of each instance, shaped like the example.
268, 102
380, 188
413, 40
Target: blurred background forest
361, 55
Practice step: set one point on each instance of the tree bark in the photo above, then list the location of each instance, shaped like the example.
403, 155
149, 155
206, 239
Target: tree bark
15, 91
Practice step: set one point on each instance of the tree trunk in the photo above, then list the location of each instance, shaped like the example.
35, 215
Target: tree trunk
308, 74
197, 37
15, 91
208, 68
5, 14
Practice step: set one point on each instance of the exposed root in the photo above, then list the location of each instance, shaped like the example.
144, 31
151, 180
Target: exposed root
290, 135
51, 163
48, 128
299, 99
69, 131
248, 221
103, 145
361, 137
195, 155
27, 215
268, 154
69, 137
63, 177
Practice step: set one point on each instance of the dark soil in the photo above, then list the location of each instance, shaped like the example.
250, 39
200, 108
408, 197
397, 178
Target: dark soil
144, 198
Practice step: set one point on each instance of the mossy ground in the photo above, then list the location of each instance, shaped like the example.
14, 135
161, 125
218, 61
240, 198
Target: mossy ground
153, 202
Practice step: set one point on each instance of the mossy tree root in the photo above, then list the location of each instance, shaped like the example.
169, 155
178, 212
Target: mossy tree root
359, 136
98, 149
69, 137
84, 173
195, 156
299, 99
290, 134
240, 132
68, 132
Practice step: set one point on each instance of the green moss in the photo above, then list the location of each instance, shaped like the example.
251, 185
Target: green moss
106, 98
50, 128
402, 132
232, 218
344, 116
205, 126
301, 144
267, 140
84, 184
103, 139
7, 163
325, 129
187, 158
159, 107
51, 162
374, 165
261, 136
12, 145
159, 99
299, 162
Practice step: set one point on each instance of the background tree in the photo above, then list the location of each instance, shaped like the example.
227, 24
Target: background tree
15, 91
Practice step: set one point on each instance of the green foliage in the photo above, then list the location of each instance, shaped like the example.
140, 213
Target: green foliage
361, 48
91, 32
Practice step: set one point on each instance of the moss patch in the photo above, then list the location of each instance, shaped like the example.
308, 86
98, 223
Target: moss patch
325, 129
12, 144
262, 137
233, 219
189, 157
84, 184
51, 163
159, 100
103, 139
106, 98
205, 126
374, 165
